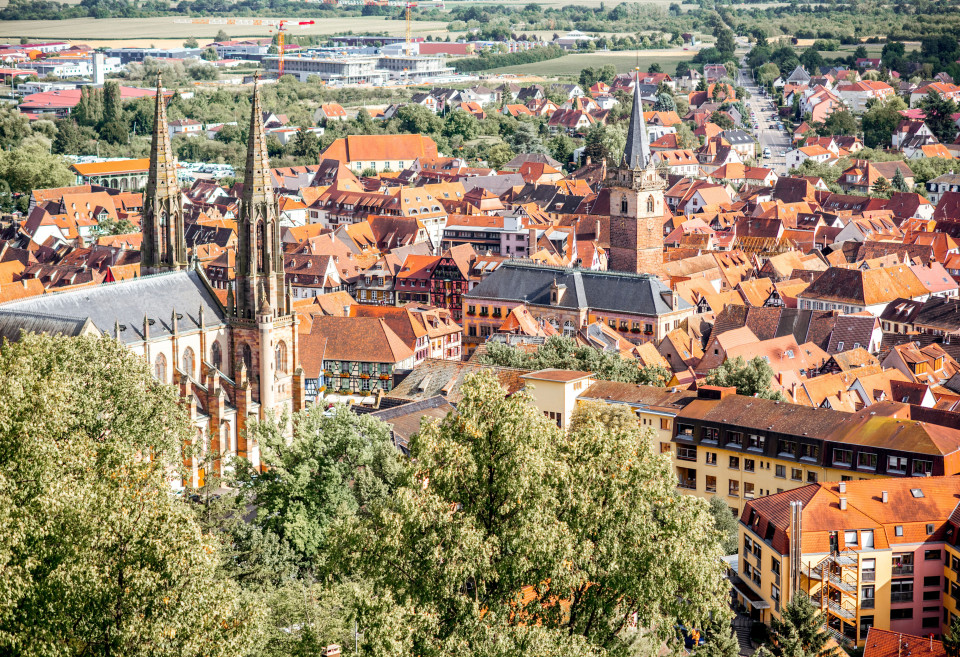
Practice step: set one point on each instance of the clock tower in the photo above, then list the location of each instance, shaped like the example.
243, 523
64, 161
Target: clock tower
636, 202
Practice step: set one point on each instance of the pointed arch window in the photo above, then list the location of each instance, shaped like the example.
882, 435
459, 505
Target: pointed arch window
281, 357
216, 355
247, 356
623, 205
650, 204
160, 368
260, 246
187, 363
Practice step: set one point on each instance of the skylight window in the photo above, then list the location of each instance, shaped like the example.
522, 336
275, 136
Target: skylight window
916, 492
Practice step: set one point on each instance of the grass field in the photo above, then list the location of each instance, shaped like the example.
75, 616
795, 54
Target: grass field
111, 29
570, 65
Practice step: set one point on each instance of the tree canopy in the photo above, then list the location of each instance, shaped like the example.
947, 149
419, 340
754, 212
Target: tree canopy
508, 536
751, 378
98, 555
564, 353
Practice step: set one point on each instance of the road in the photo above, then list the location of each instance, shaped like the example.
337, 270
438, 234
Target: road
768, 135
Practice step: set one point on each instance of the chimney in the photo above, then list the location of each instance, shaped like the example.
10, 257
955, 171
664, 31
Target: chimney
843, 504
843, 487
883, 497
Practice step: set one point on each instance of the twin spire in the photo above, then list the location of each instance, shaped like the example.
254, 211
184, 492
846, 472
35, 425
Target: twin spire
636, 153
257, 184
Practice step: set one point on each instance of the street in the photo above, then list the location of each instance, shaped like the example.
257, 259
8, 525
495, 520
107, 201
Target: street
768, 136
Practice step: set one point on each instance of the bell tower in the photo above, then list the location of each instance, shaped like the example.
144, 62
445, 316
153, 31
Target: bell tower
164, 246
263, 324
259, 260
636, 202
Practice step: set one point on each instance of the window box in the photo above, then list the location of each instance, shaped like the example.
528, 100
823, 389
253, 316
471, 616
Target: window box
364, 376
634, 330
344, 375
384, 377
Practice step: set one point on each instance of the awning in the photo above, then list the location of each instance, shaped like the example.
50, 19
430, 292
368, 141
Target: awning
752, 597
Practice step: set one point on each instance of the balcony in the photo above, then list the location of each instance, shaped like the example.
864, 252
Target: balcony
905, 569
868, 576
869, 603
689, 484
906, 596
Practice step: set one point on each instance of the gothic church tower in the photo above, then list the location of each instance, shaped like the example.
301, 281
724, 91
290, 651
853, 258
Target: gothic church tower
264, 326
164, 247
636, 202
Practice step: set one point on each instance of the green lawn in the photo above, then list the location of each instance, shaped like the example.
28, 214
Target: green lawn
570, 65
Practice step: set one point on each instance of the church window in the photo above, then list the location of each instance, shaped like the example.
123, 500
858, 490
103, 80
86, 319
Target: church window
260, 241
623, 205
160, 368
247, 356
216, 356
281, 356
650, 204
187, 363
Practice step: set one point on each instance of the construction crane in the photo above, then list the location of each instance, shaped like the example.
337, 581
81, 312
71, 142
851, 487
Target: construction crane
281, 30
281, 25
407, 8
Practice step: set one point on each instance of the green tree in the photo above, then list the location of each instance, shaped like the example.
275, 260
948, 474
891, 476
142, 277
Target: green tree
464, 124
881, 187
89, 109
899, 183
725, 42
497, 155
561, 147
722, 120
800, 631
417, 119
14, 127
69, 138
210, 54
841, 122
335, 464
750, 378
720, 641
767, 73
115, 227
526, 139
560, 352
726, 524
880, 120
31, 166
99, 557
654, 68
951, 640
191, 43
306, 144
221, 36
939, 116
502, 505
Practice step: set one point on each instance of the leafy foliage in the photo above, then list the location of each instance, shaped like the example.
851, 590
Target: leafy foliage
726, 524
800, 631
563, 353
336, 463
98, 555
501, 520
751, 378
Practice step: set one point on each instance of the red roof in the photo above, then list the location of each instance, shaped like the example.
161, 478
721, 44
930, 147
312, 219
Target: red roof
68, 98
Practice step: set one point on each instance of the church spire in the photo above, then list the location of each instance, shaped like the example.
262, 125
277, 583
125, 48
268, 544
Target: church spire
259, 264
164, 245
636, 154
257, 185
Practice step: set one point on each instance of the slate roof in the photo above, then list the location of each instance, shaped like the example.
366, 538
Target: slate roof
13, 323
601, 290
404, 419
941, 314
851, 330
435, 377
127, 302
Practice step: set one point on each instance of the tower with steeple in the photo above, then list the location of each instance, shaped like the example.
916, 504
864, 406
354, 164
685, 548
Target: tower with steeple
259, 262
264, 327
636, 202
164, 246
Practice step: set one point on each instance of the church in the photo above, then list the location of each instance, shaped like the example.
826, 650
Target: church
232, 362
637, 206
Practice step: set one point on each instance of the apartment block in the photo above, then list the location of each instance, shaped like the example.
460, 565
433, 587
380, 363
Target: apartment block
877, 553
